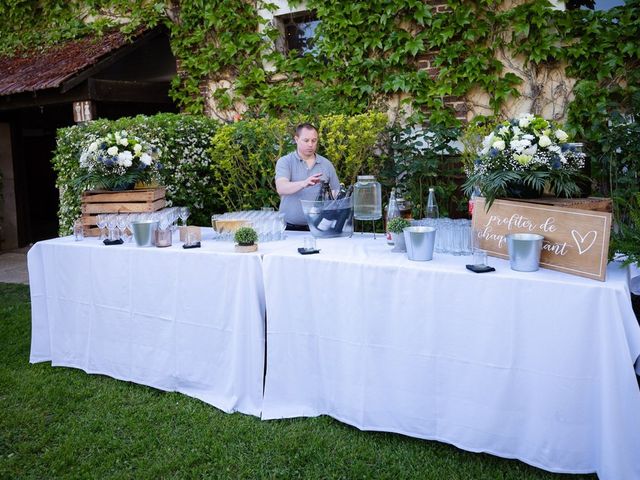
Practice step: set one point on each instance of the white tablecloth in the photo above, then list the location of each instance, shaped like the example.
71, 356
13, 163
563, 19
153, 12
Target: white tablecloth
536, 366
190, 321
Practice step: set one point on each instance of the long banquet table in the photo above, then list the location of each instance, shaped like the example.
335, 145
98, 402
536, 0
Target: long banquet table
181, 320
534, 366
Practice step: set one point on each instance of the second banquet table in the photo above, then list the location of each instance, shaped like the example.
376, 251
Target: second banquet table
535, 366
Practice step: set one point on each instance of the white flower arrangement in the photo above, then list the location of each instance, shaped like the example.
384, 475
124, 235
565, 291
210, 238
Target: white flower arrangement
528, 150
118, 160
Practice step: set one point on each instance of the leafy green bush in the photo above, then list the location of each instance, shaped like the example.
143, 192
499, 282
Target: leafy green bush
184, 142
211, 167
244, 154
418, 158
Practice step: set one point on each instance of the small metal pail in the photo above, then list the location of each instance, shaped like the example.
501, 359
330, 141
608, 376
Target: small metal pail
524, 251
144, 232
419, 242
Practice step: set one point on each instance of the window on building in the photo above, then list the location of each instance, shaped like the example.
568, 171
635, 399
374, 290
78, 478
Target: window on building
593, 4
299, 32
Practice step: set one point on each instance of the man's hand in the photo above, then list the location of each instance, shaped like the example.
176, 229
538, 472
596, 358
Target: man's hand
312, 180
287, 187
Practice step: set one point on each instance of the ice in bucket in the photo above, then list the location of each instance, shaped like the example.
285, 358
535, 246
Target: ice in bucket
524, 251
329, 218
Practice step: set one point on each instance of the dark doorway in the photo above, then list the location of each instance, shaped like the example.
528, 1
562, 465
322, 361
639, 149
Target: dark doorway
35, 177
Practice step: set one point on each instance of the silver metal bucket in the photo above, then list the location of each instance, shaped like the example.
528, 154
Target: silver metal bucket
419, 242
144, 232
524, 251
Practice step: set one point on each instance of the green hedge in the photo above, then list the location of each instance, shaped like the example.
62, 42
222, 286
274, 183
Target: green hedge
212, 167
184, 141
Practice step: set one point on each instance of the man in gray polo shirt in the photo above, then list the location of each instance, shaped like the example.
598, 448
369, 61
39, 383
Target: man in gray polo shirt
298, 176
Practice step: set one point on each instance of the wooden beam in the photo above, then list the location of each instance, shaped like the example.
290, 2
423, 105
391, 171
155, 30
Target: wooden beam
128, 91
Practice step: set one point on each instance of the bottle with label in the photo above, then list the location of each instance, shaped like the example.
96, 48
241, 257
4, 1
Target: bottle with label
475, 193
392, 212
342, 192
432, 205
327, 194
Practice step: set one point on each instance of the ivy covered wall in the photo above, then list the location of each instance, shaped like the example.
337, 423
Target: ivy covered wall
430, 59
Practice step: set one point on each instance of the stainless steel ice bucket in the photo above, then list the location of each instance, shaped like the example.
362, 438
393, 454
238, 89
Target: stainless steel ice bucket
524, 251
420, 242
144, 232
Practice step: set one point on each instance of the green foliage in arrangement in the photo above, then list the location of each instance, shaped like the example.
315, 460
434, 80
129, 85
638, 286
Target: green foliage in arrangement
183, 141
245, 236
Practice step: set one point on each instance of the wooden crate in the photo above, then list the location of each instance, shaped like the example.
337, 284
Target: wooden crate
595, 204
95, 202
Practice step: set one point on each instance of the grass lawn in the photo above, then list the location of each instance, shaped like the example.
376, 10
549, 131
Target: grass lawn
63, 423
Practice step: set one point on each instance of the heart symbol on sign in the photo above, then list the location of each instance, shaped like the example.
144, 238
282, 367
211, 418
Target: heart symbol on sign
581, 240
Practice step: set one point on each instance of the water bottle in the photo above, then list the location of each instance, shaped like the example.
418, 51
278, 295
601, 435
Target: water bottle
432, 206
392, 212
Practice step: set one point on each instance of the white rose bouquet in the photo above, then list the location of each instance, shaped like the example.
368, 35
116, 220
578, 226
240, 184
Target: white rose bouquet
522, 157
118, 161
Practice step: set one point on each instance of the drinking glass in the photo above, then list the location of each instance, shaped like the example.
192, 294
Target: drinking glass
101, 222
480, 257
184, 213
78, 230
111, 226
121, 222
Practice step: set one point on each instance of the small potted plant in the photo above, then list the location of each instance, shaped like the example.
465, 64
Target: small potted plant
246, 238
396, 227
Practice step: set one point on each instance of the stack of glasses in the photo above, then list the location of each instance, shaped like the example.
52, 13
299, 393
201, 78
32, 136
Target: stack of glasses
452, 236
268, 224
119, 224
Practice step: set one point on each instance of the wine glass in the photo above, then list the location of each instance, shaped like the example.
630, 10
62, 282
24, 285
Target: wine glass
101, 222
121, 222
111, 226
184, 213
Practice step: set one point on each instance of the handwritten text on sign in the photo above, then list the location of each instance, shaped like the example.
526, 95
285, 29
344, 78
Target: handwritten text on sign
575, 241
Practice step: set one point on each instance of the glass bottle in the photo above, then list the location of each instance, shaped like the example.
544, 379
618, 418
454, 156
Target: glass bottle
392, 212
320, 195
342, 192
327, 194
432, 206
367, 198
475, 193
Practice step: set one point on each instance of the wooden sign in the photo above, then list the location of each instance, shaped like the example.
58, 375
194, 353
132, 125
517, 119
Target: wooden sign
575, 241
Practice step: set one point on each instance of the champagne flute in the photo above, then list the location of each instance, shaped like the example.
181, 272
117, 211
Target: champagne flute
101, 222
184, 213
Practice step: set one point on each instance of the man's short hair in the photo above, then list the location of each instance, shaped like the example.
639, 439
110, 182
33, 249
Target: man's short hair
305, 125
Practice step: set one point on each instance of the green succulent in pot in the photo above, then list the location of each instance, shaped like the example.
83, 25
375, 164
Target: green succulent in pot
245, 236
398, 224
